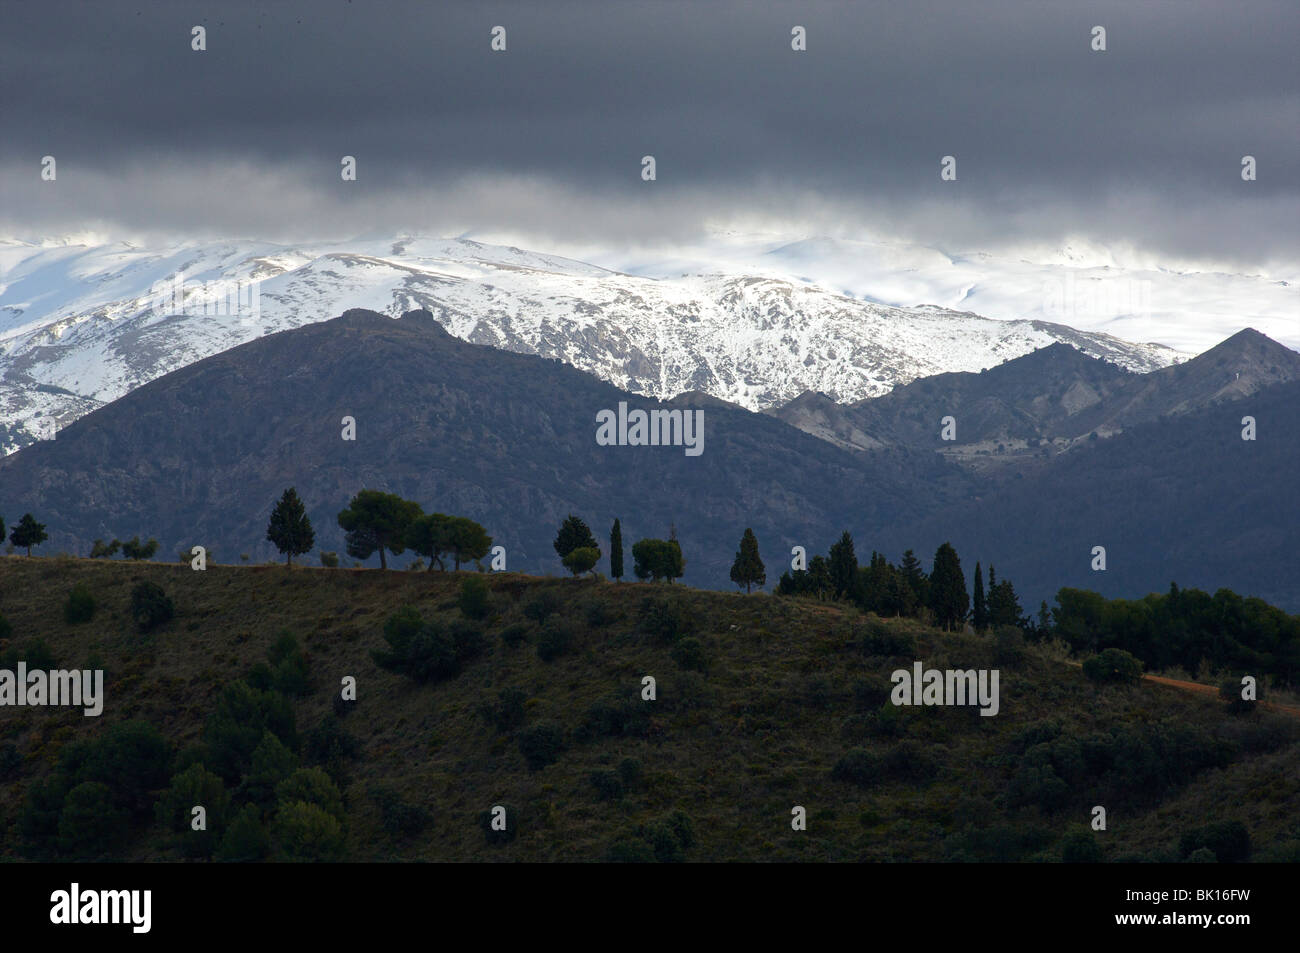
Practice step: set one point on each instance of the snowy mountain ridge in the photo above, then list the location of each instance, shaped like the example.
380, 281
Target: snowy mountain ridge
82, 324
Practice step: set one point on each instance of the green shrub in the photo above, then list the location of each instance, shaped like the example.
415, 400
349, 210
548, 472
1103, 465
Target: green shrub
331, 746
599, 613
195, 787
1202, 855
245, 840
1113, 667
37, 821
555, 639
475, 597
509, 713
608, 785
499, 837
133, 549
1228, 840
541, 745
329, 560
312, 786
307, 833
36, 653
133, 759
150, 606
682, 827
580, 560
615, 717
542, 606
423, 651
629, 772
689, 654
665, 841
997, 843
665, 619
871, 692
397, 817
11, 761
1230, 691
859, 767
1008, 645
271, 763
515, 633
468, 638
1080, 847
289, 666
881, 639
235, 728
91, 825
908, 761
629, 851
80, 606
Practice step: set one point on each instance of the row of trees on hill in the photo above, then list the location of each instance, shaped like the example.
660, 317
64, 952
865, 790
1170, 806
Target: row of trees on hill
26, 534
652, 559
378, 522
1187, 628
907, 589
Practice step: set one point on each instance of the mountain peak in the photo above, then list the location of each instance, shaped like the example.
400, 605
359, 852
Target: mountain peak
1250, 347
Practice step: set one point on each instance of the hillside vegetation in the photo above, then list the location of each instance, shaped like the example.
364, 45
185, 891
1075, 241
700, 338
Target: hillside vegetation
534, 703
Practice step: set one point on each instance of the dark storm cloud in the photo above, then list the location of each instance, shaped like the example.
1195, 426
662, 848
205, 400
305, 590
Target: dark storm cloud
1140, 143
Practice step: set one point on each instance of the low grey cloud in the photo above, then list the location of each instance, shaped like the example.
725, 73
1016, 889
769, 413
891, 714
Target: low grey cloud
1140, 144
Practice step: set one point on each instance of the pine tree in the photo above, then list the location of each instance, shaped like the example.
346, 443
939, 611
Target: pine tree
574, 534
430, 535
948, 598
616, 551
1044, 620
289, 527
1004, 605
379, 521
28, 533
843, 566
468, 540
915, 578
748, 568
979, 616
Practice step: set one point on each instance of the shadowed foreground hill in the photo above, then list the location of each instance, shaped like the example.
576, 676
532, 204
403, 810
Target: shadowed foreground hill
200, 455
763, 704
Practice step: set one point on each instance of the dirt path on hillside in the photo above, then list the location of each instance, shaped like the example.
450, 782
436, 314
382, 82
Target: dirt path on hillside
1200, 689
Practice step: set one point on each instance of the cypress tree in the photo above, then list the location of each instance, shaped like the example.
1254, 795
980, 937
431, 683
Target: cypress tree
979, 613
289, 527
616, 551
948, 598
748, 569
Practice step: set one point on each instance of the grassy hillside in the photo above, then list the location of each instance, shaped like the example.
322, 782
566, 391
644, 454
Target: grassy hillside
787, 689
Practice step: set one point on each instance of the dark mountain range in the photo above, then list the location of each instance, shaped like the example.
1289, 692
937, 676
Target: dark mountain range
1043, 403
1180, 499
201, 455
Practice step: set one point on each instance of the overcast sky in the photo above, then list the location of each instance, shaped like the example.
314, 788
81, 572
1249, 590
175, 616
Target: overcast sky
1141, 144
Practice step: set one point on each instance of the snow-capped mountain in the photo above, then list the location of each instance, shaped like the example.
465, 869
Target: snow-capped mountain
82, 323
